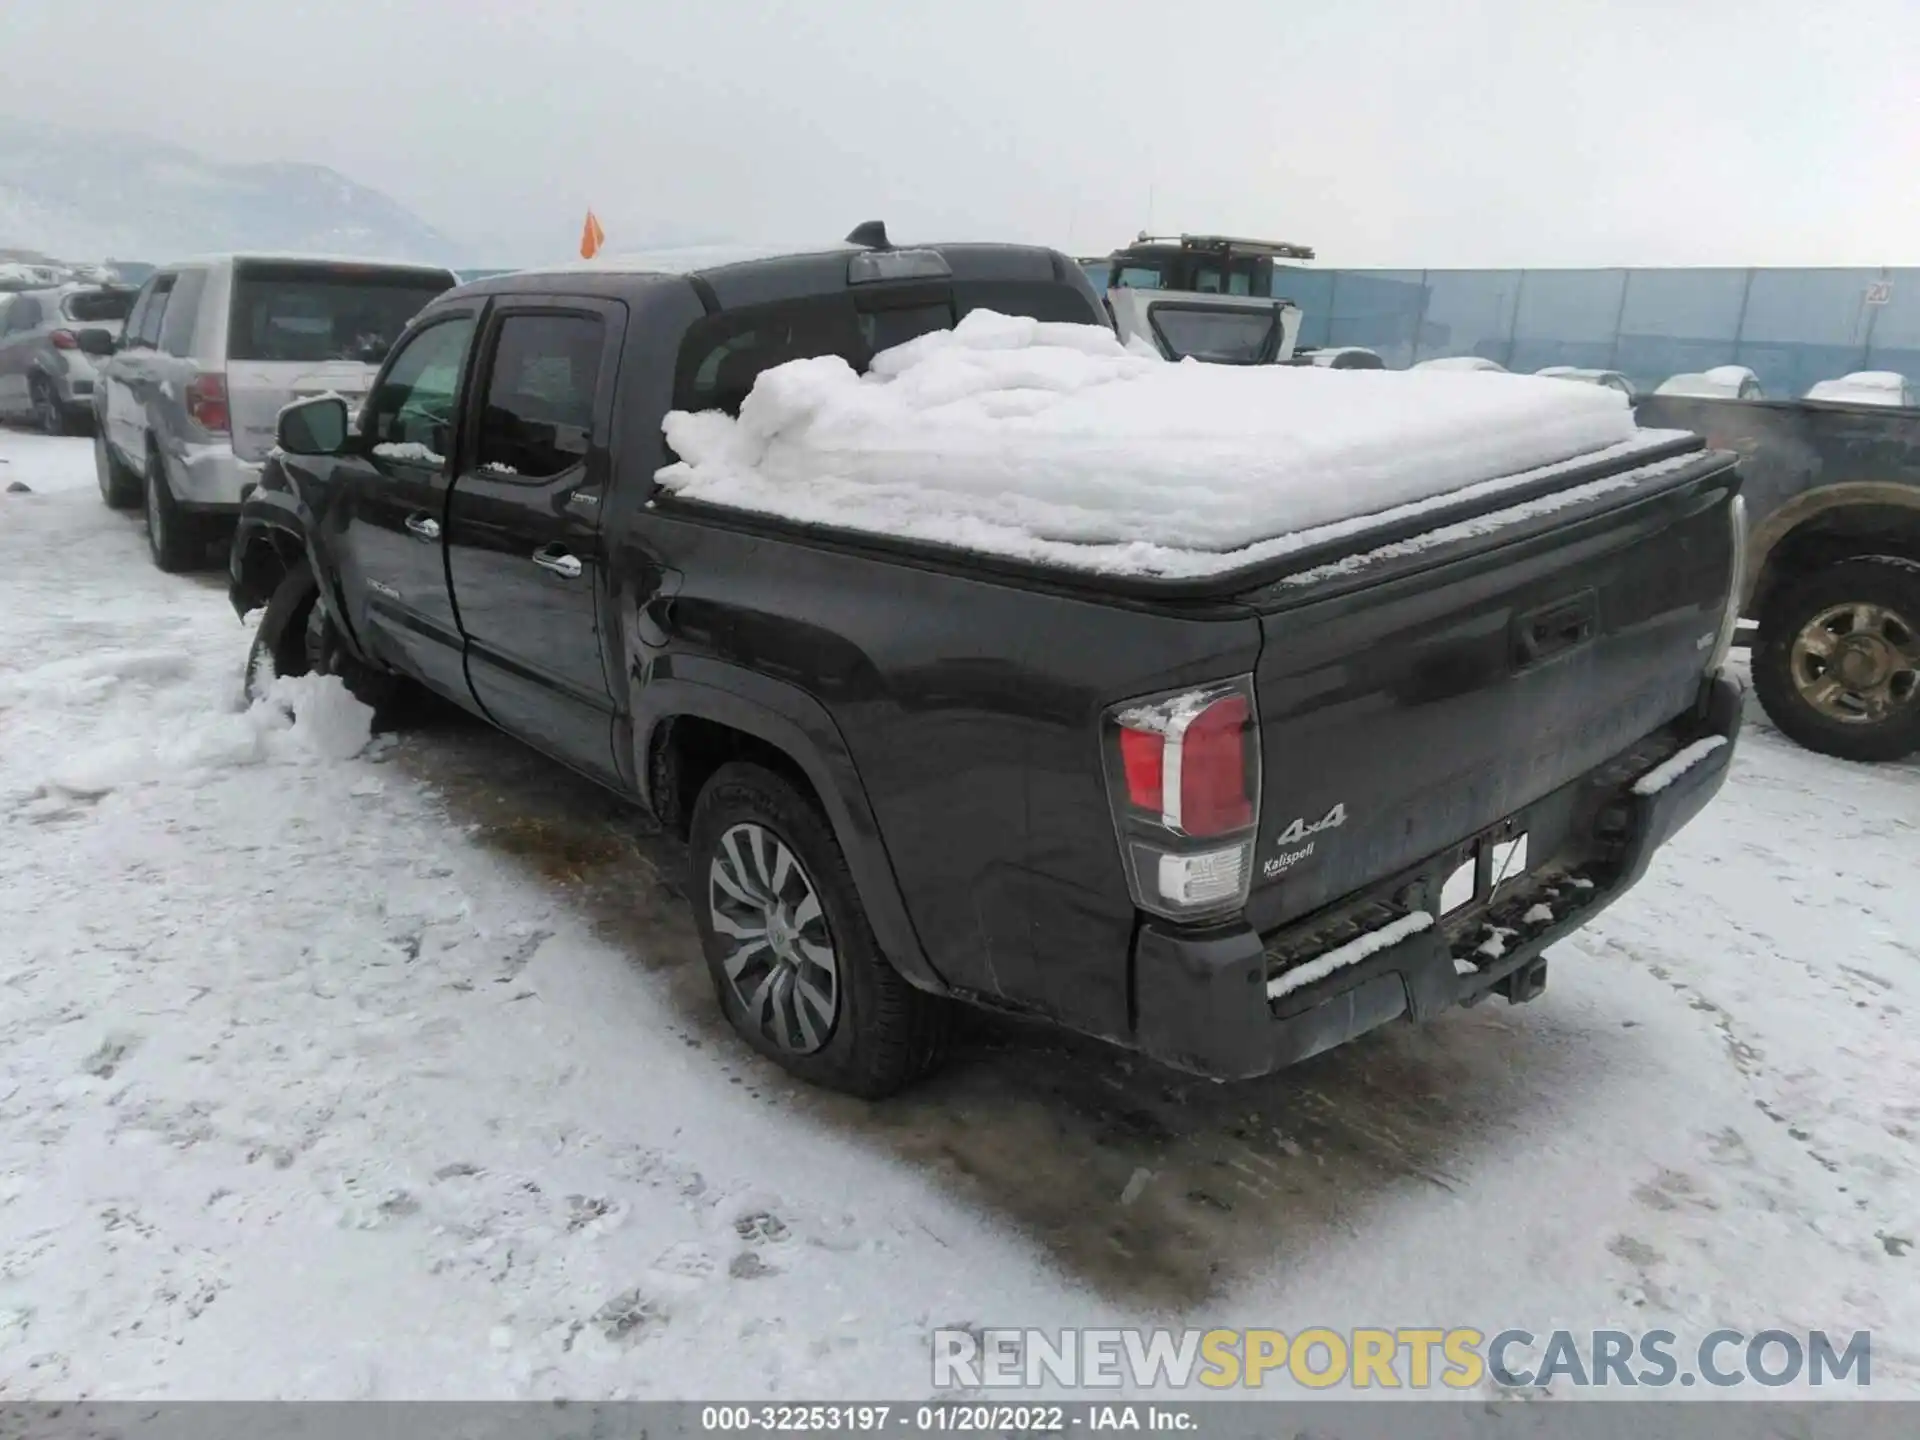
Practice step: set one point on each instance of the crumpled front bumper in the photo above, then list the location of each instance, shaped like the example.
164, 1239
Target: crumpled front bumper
1202, 995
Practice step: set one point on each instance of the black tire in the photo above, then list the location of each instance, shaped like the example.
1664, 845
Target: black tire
884, 1033
174, 538
280, 644
297, 636
47, 413
1886, 582
119, 486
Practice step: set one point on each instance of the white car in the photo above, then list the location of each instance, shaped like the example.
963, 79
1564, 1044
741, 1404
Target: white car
1462, 362
1722, 382
1868, 387
1611, 379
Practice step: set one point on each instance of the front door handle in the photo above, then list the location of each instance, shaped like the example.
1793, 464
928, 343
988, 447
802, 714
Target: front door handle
424, 526
552, 557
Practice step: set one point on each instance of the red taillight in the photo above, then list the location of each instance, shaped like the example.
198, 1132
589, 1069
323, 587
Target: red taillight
207, 401
1183, 772
1185, 761
1141, 754
64, 340
1213, 770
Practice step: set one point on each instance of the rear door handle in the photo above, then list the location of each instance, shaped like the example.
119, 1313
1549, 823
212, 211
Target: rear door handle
424, 526
556, 559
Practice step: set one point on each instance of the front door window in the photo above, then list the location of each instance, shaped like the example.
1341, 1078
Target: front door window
411, 414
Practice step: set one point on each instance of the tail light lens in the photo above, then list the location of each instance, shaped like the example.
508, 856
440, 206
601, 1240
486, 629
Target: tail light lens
1184, 776
64, 340
207, 401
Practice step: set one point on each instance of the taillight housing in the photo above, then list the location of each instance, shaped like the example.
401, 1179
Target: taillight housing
206, 397
1736, 588
1183, 774
63, 340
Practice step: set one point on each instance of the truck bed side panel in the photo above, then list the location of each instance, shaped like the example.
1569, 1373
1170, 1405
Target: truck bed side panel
972, 711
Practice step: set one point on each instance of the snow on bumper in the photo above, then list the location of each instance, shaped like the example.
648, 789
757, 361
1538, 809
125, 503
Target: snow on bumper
211, 477
1229, 1003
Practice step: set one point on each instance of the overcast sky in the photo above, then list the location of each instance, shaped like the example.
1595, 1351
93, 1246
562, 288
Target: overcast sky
1383, 132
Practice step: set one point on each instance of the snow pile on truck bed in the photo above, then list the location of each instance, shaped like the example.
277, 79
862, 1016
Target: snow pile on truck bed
1054, 443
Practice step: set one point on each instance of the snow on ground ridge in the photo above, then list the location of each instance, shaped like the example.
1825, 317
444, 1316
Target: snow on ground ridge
1055, 442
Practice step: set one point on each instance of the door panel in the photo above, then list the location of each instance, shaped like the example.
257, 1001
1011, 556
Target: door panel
523, 528
392, 507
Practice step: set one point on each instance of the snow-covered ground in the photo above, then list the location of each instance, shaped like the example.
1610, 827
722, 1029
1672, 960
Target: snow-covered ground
397, 1075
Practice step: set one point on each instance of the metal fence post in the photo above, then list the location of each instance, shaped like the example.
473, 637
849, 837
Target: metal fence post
1619, 319
1740, 321
1513, 325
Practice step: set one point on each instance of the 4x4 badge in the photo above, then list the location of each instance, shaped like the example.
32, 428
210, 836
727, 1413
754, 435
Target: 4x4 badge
1300, 829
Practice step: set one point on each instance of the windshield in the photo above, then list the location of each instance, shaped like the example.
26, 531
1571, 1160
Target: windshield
311, 313
1222, 337
97, 307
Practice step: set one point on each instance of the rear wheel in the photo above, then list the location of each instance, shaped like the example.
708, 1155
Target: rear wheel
1837, 661
174, 539
793, 960
47, 413
119, 486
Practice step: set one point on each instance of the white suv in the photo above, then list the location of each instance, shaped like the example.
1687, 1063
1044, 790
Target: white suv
186, 400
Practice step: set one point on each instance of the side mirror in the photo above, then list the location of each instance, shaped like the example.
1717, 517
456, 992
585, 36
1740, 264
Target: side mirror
95, 340
313, 427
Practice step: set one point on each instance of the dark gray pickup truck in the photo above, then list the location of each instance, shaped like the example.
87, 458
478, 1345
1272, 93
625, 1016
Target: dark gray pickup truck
1228, 821
1833, 562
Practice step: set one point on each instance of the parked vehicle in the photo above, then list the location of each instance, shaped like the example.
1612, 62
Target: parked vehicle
1341, 357
45, 377
1462, 362
1723, 382
1610, 379
1204, 297
185, 404
1868, 387
1833, 567
1229, 822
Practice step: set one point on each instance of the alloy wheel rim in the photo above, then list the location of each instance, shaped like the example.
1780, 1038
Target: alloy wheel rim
780, 960
1857, 663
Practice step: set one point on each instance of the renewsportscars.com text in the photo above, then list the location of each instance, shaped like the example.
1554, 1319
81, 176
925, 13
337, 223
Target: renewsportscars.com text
1416, 1358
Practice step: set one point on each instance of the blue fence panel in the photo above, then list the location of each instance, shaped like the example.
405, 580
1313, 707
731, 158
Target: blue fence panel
1895, 318
1803, 326
1469, 312
1379, 309
1312, 291
1678, 322
1567, 317
1792, 327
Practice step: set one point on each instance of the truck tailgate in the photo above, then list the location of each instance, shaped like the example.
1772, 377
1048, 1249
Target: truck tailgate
1411, 703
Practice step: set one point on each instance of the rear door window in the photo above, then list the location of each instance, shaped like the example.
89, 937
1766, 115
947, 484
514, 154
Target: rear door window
723, 356
147, 335
538, 418
183, 313
97, 307
311, 314
23, 315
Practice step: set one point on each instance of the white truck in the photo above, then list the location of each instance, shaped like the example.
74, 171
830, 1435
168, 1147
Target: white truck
1208, 297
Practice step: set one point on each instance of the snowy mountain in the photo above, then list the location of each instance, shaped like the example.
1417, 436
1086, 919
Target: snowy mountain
83, 195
